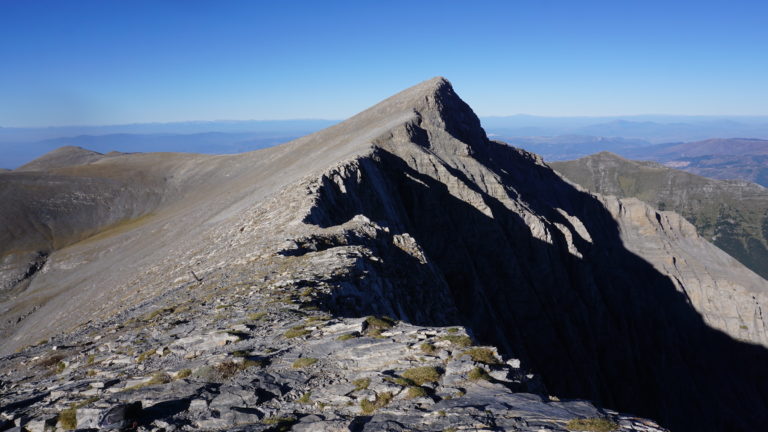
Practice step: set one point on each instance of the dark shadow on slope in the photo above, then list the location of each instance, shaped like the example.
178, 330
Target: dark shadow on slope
606, 327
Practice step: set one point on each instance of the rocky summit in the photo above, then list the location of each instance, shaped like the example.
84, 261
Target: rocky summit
398, 271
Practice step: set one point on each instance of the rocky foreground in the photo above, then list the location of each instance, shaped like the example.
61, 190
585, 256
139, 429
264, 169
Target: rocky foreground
256, 355
398, 271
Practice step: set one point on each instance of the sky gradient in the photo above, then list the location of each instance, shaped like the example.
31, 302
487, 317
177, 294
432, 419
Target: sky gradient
113, 62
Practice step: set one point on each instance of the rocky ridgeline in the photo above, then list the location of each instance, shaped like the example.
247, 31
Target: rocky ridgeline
260, 356
253, 292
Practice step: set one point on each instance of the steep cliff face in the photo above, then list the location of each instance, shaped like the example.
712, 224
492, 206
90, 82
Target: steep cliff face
731, 214
575, 284
406, 210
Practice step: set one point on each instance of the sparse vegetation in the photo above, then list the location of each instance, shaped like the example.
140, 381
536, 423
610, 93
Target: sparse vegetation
145, 355
282, 424
428, 348
348, 336
258, 316
68, 419
382, 400
318, 318
184, 373
60, 366
295, 332
159, 378
422, 375
416, 392
453, 330
458, 340
305, 398
376, 325
227, 369
478, 373
402, 382
482, 355
51, 361
156, 313
361, 384
304, 362
591, 425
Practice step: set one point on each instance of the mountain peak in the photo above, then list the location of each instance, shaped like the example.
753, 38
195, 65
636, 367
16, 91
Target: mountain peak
436, 108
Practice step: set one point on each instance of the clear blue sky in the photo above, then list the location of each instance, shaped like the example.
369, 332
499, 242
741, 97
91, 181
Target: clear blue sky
107, 62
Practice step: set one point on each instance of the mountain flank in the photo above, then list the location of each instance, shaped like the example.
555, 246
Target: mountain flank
396, 271
733, 215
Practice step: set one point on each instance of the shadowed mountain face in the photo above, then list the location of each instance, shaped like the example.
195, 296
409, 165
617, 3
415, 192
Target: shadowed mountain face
408, 210
731, 214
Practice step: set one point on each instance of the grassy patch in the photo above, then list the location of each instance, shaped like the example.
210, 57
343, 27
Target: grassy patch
159, 378
361, 384
68, 419
380, 322
416, 392
382, 400
422, 375
591, 425
295, 332
428, 348
376, 325
258, 316
453, 330
318, 318
458, 340
305, 398
348, 336
184, 373
482, 355
304, 362
51, 361
402, 382
281, 424
229, 369
145, 355
478, 373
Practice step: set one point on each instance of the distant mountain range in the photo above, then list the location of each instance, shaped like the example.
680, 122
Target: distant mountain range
21, 145
652, 128
555, 138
